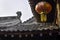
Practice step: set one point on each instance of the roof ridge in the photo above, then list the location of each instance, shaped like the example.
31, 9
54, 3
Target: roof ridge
8, 16
28, 19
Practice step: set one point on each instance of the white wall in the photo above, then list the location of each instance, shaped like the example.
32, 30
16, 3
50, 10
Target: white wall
10, 7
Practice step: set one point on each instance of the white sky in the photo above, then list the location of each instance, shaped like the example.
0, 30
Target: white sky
10, 7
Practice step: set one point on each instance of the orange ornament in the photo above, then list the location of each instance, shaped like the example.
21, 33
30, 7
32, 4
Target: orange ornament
43, 7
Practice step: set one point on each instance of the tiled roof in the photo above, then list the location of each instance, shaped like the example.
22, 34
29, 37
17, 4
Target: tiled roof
15, 24
8, 21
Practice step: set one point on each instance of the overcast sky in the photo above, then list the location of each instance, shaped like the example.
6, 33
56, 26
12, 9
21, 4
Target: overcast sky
10, 7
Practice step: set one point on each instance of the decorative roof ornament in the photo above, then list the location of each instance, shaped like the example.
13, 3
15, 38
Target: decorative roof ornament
19, 14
